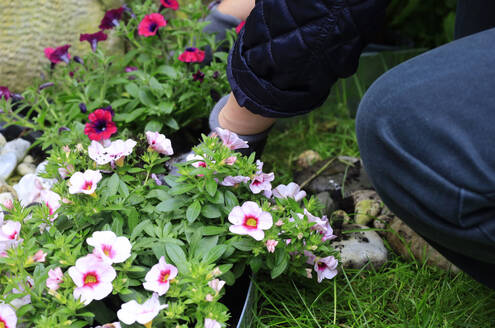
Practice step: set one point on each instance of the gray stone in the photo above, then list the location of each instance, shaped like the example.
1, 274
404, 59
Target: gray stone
360, 248
19, 147
307, 158
366, 210
327, 201
3, 141
28, 159
8, 162
25, 168
41, 168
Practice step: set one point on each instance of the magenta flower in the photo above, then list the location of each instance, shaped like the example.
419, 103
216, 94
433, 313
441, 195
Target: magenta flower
230, 139
326, 268
159, 143
250, 219
150, 24
100, 125
55, 278
198, 76
93, 38
159, 276
85, 183
110, 248
132, 311
8, 318
172, 4
111, 18
192, 55
129, 69
5, 93
292, 190
93, 278
59, 54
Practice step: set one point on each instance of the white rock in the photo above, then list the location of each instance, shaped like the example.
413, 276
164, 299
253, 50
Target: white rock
3, 141
17, 146
25, 168
41, 168
28, 159
8, 162
5, 196
361, 247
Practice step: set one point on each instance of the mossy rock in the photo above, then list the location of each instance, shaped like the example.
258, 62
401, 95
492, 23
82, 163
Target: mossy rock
28, 27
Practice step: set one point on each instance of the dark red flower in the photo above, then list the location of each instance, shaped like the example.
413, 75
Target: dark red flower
93, 38
5, 93
109, 109
239, 27
198, 76
192, 55
172, 4
111, 18
100, 125
150, 24
59, 54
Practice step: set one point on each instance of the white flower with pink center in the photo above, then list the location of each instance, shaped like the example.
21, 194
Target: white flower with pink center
291, 190
159, 276
159, 143
52, 201
93, 278
271, 244
210, 323
109, 247
250, 219
261, 181
55, 278
132, 311
9, 231
8, 318
85, 183
216, 284
230, 139
111, 152
326, 268
230, 181
199, 161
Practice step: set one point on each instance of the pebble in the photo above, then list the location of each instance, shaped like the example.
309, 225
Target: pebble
360, 248
18, 147
28, 159
307, 158
3, 141
8, 162
25, 168
366, 210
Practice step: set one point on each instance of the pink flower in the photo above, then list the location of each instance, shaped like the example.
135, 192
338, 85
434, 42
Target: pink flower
216, 284
326, 268
327, 232
158, 278
39, 256
109, 247
8, 318
84, 182
210, 323
132, 311
231, 160
58, 54
192, 55
261, 182
66, 171
159, 143
8, 204
150, 24
310, 257
93, 278
172, 4
199, 160
270, 245
292, 190
230, 181
9, 231
209, 298
115, 151
5, 93
55, 278
230, 139
52, 201
250, 219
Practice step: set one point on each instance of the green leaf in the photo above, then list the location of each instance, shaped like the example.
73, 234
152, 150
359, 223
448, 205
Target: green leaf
181, 189
139, 228
211, 211
170, 205
205, 245
211, 186
135, 170
193, 211
177, 256
132, 89
168, 71
165, 107
218, 198
280, 268
244, 244
119, 102
113, 185
230, 200
129, 117
156, 86
212, 230
214, 254
153, 126
159, 194
146, 98
255, 263
170, 122
159, 250
132, 218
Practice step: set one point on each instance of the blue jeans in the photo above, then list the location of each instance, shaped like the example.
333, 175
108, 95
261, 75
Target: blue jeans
426, 131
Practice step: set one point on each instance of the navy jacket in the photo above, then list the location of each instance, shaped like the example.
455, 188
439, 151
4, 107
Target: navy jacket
290, 52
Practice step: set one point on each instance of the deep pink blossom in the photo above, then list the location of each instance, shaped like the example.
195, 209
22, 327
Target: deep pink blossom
93, 38
59, 54
150, 24
159, 143
5, 93
111, 18
172, 4
192, 55
100, 125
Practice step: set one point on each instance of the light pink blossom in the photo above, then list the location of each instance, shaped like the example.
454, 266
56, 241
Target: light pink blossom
209, 298
109, 247
110, 325
216, 284
8, 318
52, 201
261, 182
230, 181
159, 143
250, 219
210, 323
198, 160
65, 171
8, 204
55, 278
84, 182
132, 311
115, 151
310, 257
93, 278
39, 256
291, 190
231, 160
326, 268
230, 139
159, 276
270, 245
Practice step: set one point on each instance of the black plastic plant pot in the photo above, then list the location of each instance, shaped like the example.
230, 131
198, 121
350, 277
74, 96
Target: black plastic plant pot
240, 299
246, 317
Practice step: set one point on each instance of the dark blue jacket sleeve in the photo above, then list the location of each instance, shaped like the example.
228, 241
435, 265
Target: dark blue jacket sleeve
290, 52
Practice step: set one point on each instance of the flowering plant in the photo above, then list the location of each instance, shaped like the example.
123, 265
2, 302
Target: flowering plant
121, 240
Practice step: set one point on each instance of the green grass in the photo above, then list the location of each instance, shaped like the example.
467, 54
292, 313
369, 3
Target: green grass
400, 294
